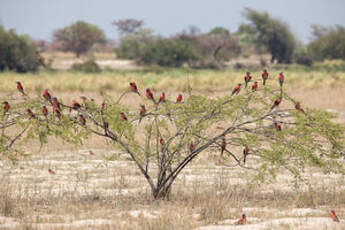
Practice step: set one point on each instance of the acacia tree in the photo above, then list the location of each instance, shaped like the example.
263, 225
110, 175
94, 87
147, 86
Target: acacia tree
79, 37
163, 136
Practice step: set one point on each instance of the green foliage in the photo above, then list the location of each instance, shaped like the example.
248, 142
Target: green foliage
329, 46
166, 52
302, 57
89, 66
79, 37
17, 52
273, 34
219, 30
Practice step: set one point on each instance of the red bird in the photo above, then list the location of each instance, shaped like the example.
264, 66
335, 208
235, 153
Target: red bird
75, 105
134, 88
31, 114
179, 98
242, 221
222, 146
149, 95
82, 120
264, 76
236, 89
20, 87
51, 171
44, 110
298, 107
47, 95
83, 98
162, 98
41, 61
276, 102
57, 112
56, 103
245, 153
247, 78
161, 141
142, 112
191, 146
277, 126
91, 153
255, 86
6, 106
281, 79
123, 117
334, 216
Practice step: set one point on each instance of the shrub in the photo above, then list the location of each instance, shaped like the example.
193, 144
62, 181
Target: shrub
329, 46
302, 57
17, 52
89, 66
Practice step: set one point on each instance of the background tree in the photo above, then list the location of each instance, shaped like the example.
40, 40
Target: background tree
330, 44
128, 26
273, 34
17, 52
163, 137
79, 37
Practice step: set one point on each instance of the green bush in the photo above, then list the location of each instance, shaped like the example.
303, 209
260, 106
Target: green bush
167, 52
302, 57
329, 46
17, 52
89, 66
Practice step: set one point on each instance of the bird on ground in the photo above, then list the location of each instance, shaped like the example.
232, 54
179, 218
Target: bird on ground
334, 216
179, 98
242, 221
51, 171
133, 87
276, 102
237, 89
247, 79
20, 87
264, 76
255, 86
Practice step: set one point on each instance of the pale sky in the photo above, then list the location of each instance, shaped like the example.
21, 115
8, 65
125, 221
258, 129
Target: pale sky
39, 18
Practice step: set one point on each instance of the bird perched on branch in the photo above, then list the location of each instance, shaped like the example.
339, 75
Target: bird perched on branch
298, 107
264, 76
237, 89
242, 221
123, 116
276, 102
277, 126
247, 79
55, 103
44, 110
191, 146
20, 87
51, 171
6, 106
149, 95
47, 95
75, 105
222, 146
30, 113
57, 112
133, 87
142, 112
82, 119
245, 153
334, 216
162, 98
281, 79
179, 98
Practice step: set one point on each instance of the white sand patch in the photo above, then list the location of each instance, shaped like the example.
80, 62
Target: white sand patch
143, 213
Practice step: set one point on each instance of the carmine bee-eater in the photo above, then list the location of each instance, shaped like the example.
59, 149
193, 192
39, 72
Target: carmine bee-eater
41, 61
149, 95
281, 79
277, 126
242, 221
44, 110
247, 79
91, 153
75, 105
30, 113
47, 95
20, 87
162, 98
255, 86
142, 112
179, 98
237, 89
6, 106
133, 87
51, 171
276, 102
264, 76
55, 103
161, 141
191, 146
123, 116
334, 216
245, 153
222, 146
82, 119
57, 112
298, 107
83, 98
